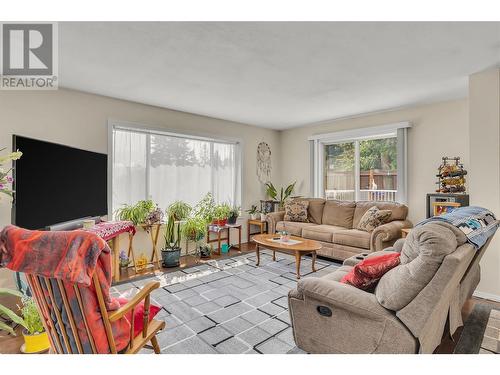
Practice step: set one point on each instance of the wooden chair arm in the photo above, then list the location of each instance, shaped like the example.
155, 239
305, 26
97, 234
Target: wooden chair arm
142, 295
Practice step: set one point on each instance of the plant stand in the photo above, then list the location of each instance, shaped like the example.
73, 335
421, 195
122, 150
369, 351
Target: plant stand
154, 231
219, 231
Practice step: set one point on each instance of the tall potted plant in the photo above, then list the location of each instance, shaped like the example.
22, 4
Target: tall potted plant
272, 193
171, 253
195, 229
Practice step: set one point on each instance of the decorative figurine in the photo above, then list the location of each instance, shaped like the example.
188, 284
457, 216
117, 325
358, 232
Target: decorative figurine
451, 176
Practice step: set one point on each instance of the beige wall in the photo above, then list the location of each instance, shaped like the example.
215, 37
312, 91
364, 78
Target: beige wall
80, 120
437, 129
484, 123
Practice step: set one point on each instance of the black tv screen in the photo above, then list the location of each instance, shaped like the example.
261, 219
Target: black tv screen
55, 183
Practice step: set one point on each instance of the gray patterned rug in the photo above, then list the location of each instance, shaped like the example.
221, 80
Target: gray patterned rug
481, 332
229, 305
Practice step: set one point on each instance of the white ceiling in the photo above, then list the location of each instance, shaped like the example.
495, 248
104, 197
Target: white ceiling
276, 75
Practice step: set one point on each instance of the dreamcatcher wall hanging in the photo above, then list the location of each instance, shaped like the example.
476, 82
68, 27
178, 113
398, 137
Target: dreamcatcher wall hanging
264, 162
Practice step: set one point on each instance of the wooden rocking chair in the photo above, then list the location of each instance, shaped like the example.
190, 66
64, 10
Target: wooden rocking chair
64, 337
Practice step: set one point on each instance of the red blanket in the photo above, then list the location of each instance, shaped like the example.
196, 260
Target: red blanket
72, 257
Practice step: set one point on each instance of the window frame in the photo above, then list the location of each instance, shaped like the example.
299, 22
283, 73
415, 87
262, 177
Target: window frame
151, 130
319, 141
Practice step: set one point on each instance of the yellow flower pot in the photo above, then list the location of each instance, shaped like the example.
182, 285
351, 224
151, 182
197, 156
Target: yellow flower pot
37, 343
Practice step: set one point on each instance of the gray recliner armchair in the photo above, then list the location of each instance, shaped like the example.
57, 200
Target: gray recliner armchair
408, 310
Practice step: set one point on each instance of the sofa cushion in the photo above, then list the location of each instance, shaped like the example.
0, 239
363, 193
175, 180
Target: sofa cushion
321, 232
338, 213
423, 252
368, 272
294, 228
398, 211
296, 210
373, 218
315, 210
352, 237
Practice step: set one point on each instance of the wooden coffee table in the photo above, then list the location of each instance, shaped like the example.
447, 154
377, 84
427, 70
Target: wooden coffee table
304, 247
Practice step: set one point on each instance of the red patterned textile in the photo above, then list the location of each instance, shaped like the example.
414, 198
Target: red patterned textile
368, 272
72, 257
110, 229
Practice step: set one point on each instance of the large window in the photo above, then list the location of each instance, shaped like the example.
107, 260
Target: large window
366, 164
166, 167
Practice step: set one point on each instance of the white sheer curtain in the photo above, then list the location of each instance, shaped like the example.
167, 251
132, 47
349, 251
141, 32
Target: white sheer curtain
166, 168
129, 167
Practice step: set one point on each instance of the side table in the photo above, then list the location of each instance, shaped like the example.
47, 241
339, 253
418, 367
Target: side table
219, 231
261, 224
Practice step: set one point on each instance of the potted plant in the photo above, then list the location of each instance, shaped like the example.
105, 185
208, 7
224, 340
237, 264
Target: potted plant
254, 213
263, 216
35, 337
171, 253
272, 193
179, 210
194, 229
233, 215
138, 213
124, 259
204, 209
221, 213
205, 251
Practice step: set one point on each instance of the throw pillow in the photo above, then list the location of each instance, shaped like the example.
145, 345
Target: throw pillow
368, 272
139, 314
296, 211
373, 218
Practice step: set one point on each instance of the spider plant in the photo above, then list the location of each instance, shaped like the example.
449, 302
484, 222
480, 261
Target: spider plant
137, 213
179, 209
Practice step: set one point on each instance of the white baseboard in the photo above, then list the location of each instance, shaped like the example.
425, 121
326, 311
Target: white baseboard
491, 297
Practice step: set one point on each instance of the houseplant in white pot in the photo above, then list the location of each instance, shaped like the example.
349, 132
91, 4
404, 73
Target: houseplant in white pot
254, 213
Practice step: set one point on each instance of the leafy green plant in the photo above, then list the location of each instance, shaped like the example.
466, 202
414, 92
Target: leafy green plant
195, 228
137, 213
222, 211
272, 192
205, 208
30, 319
253, 210
179, 209
235, 211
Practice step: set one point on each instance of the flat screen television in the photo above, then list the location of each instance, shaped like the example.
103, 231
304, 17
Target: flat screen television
55, 183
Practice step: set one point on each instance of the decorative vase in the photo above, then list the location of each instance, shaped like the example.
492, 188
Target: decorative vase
37, 343
232, 220
254, 216
285, 236
170, 257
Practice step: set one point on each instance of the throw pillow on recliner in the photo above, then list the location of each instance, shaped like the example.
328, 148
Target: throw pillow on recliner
368, 272
422, 254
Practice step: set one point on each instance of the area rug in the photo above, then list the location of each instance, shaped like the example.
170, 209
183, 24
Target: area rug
481, 332
229, 305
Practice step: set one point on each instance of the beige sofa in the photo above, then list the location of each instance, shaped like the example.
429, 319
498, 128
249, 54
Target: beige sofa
332, 223
410, 307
